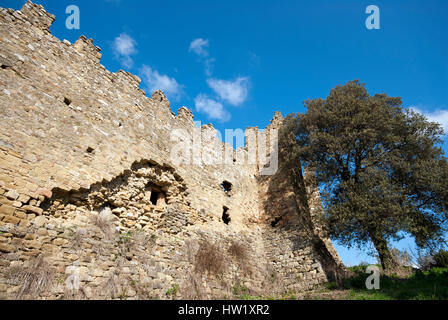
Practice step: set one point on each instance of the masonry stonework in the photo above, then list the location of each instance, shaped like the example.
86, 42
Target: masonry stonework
91, 205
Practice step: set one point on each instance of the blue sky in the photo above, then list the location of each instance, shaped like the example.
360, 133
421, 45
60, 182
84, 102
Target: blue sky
236, 62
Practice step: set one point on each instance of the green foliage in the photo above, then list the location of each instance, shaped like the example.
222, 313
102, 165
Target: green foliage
239, 289
420, 285
441, 259
249, 297
331, 285
378, 164
289, 295
172, 292
125, 237
360, 269
123, 295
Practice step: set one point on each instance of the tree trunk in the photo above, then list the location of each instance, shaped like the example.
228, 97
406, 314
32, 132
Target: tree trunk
387, 261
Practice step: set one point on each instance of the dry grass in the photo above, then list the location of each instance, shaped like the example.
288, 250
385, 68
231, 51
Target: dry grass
133, 243
273, 281
33, 279
193, 288
77, 238
104, 223
117, 284
79, 294
209, 258
142, 291
112, 285
240, 252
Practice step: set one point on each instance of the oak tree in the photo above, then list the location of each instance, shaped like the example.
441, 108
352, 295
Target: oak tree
379, 166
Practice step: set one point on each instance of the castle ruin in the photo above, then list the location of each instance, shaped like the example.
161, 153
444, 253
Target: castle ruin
91, 203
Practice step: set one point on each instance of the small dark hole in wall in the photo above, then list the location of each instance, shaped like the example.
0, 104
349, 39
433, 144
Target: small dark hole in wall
275, 222
4, 67
154, 195
67, 101
227, 187
225, 215
158, 198
90, 150
105, 205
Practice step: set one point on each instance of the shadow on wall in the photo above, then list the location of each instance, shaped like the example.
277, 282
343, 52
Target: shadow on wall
287, 206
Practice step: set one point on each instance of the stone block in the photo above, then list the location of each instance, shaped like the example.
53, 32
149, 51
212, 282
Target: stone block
6, 248
20, 214
23, 198
33, 209
7, 209
39, 221
12, 195
35, 244
11, 219
44, 192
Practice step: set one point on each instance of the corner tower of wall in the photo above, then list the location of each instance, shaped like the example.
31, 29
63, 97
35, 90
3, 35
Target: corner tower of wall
296, 244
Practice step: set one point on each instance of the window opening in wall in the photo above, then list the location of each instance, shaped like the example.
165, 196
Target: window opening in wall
227, 187
67, 101
158, 198
225, 215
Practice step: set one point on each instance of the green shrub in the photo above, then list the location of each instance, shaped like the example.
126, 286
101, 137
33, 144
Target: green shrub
172, 292
331, 285
355, 282
441, 259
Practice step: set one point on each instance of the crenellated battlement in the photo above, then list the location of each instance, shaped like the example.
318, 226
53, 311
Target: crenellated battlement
36, 15
86, 47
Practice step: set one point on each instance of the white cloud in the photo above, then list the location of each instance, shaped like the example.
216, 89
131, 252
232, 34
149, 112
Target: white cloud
209, 66
439, 116
199, 46
155, 81
233, 92
124, 47
212, 108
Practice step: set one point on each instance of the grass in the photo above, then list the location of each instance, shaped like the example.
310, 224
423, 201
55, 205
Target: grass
416, 285
209, 258
34, 279
172, 292
419, 285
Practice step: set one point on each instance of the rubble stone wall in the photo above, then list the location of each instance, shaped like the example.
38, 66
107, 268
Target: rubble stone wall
83, 149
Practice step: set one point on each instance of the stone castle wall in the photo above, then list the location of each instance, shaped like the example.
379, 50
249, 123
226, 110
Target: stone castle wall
84, 153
